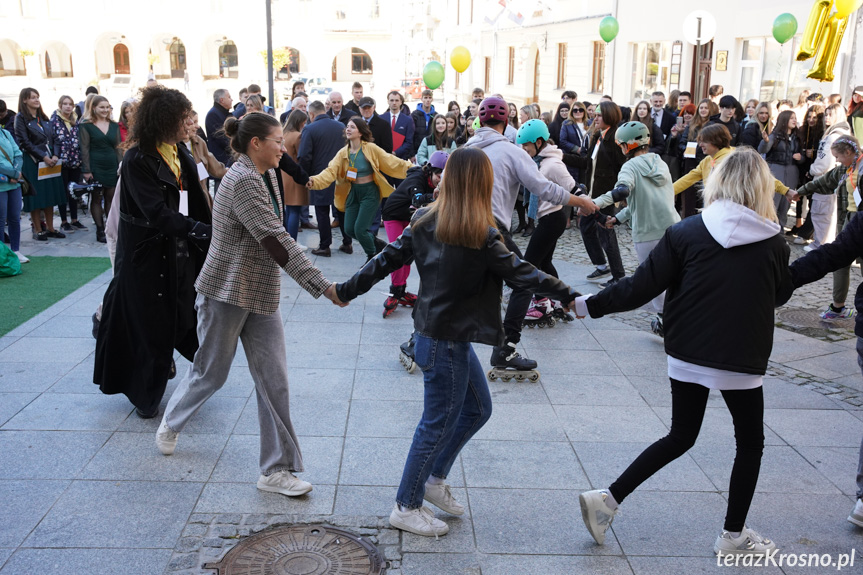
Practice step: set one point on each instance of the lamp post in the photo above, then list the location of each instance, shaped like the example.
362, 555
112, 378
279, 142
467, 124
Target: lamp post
271, 89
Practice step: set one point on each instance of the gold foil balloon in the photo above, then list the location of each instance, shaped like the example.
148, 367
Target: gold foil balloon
815, 27
460, 59
845, 8
828, 49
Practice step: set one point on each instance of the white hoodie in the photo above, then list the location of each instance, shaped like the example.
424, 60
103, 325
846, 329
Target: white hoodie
732, 224
553, 168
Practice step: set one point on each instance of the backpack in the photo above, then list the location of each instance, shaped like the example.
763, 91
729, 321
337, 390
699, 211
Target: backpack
9, 263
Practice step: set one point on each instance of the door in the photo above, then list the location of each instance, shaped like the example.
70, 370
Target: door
702, 64
121, 59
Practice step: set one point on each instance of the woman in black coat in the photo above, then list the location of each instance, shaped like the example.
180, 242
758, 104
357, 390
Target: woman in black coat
599, 169
149, 307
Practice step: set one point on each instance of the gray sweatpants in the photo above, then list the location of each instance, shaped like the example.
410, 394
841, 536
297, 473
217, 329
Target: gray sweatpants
220, 325
642, 250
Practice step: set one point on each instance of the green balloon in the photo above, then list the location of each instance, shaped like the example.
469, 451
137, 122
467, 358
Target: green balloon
433, 75
784, 27
608, 28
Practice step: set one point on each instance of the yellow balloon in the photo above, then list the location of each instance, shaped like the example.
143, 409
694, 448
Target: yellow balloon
815, 27
830, 41
847, 7
460, 59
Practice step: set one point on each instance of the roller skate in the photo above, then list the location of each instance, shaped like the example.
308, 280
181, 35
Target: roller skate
540, 314
656, 325
406, 355
398, 296
561, 314
508, 364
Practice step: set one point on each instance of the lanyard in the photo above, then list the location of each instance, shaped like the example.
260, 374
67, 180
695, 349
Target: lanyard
272, 194
351, 162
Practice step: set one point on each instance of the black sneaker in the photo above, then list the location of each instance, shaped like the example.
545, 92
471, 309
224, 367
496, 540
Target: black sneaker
598, 274
67, 227
79, 226
609, 283
95, 331
56, 234
40, 236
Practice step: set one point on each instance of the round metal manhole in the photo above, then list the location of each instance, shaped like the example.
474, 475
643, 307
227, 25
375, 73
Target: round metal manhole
301, 550
809, 318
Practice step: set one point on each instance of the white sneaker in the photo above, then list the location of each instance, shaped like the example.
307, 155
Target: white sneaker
856, 516
166, 440
809, 248
302, 246
749, 543
440, 496
284, 482
22, 258
596, 514
419, 521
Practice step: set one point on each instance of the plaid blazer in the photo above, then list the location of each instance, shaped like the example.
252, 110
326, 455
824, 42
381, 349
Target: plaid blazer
238, 270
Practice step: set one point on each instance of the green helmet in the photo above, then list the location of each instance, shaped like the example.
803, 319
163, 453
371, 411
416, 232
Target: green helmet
632, 135
531, 131
476, 124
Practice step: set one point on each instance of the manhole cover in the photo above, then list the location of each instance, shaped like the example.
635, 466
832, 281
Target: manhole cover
301, 550
798, 317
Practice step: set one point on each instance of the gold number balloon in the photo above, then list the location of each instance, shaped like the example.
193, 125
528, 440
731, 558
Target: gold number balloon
828, 49
815, 28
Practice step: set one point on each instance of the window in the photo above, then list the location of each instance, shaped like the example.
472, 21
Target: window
228, 62
676, 55
487, 83
767, 72
510, 73
598, 77
650, 65
561, 66
361, 62
178, 58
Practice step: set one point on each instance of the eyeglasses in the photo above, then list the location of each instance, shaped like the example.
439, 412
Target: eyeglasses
281, 141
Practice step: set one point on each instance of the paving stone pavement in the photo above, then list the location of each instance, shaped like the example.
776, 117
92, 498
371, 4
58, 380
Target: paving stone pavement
84, 490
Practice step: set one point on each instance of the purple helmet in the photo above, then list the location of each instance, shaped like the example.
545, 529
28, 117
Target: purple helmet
493, 108
438, 160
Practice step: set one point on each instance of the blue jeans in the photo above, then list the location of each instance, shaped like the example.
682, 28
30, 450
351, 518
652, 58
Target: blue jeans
457, 404
292, 220
10, 210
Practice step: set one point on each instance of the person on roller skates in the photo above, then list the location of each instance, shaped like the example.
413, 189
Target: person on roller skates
415, 191
513, 167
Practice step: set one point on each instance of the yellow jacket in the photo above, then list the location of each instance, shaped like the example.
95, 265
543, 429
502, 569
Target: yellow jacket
381, 163
702, 170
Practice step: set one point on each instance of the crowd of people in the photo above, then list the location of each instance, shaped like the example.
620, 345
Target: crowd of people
204, 219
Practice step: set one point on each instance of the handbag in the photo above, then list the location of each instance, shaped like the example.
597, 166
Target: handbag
27, 188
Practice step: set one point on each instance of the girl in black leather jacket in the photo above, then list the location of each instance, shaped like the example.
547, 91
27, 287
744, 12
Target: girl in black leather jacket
462, 262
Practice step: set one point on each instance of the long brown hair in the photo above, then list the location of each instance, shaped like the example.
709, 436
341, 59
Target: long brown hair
463, 208
697, 122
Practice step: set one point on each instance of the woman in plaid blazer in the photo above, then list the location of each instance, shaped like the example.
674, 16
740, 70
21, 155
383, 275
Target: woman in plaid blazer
238, 299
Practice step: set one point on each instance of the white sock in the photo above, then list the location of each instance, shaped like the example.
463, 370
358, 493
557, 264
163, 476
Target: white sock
435, 480
610, 501
603, 267
735, 534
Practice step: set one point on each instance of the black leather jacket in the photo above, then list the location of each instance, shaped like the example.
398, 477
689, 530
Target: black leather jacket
459, 297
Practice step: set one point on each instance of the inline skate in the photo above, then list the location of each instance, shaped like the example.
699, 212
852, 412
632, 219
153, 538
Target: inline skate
398, 296
508, 364
406, 355
540, 314
656, 326
561, 314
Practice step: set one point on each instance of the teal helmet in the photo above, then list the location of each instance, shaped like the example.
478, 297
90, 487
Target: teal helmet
632, 135
531, 131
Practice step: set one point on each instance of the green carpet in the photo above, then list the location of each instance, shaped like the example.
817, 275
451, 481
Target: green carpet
42, 283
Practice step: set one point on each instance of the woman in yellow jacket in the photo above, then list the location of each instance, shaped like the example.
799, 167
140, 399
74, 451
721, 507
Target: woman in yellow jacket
358, 171
715, 141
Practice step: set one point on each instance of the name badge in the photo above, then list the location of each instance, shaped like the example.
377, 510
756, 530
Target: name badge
202, 171
351, 175
857, 199
691, 148
184, 202
595, 150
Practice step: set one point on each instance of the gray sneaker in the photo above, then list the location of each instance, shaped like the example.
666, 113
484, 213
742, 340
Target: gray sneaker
419, 521
440, 496
749, 543
284, 482
596, 514
856, 516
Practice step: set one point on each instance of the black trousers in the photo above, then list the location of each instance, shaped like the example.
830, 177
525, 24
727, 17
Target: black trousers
513, 318
598, 239
539, 252
688, 401
322, 215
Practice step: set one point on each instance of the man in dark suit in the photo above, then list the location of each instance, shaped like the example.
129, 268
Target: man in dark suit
217, 142
661, 117
401, 126
338, 110
322, 139
380, 129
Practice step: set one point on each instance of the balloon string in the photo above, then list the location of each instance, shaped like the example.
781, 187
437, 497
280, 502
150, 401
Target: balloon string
778, 72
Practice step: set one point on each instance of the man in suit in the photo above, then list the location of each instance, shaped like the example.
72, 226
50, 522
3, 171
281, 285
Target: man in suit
401, 126
322, 139
357, 93
661, 117
338, 110
217, 142
381, 131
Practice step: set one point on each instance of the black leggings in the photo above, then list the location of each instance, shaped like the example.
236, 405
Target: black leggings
688, 401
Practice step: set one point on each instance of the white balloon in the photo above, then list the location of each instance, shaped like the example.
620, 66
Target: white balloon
708, 27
